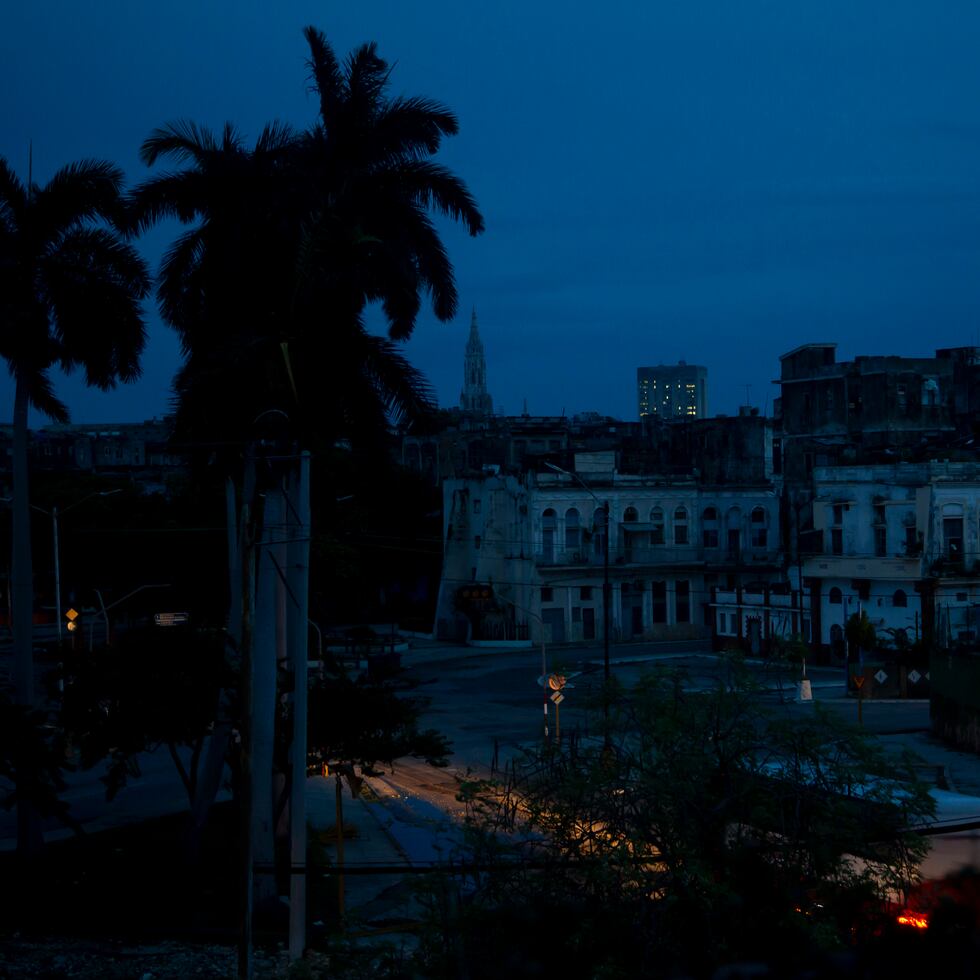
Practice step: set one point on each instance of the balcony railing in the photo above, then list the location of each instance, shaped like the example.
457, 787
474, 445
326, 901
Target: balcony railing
657, 555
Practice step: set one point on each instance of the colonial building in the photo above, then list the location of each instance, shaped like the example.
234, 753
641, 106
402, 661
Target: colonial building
874, 409
899, 542
537, 542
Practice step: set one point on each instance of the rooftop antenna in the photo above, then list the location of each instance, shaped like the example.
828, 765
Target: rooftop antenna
747, 401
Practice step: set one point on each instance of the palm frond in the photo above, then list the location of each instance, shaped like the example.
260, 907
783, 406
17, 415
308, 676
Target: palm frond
367, 77
93, 285
413, 126
183, 140
43, 399
433, 186
77, 193
181, 195
328, 81
13, 197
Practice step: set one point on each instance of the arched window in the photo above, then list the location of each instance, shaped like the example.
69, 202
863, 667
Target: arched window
598, 530
549, 525
953, 531
680, 526
630, 515
900, 599
709, 527
760, 534
733, 523
656, 526
573, 530
835, 597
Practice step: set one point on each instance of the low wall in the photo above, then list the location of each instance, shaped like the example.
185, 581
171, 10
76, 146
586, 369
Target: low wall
955, 703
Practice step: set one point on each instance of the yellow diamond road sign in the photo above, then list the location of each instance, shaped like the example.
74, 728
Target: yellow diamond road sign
71, 615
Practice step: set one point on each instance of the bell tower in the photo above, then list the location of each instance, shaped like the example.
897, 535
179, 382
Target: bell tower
475, 398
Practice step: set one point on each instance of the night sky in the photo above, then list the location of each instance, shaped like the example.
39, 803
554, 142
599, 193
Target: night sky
706, 180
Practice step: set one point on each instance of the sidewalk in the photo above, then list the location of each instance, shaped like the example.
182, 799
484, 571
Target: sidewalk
371, 843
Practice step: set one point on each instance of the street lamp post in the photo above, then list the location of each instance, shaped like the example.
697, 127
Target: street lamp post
606, 587
53, 514
57, 550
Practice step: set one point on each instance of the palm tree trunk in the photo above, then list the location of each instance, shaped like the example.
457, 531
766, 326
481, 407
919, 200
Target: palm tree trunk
29, 837
22, 585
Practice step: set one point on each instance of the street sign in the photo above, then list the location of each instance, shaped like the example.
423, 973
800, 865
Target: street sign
170, 618
858, 681
557, 697
557, 681
71, 615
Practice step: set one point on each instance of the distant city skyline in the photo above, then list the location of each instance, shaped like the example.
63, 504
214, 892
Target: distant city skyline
710, 182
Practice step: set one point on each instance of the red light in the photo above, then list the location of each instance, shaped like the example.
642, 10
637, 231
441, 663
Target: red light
915, 920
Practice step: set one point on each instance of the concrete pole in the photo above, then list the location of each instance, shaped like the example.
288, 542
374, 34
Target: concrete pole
57, 573
245, 589
298, 579
264, 693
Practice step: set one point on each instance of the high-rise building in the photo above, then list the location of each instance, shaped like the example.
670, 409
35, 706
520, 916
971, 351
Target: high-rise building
673, 391
475, 398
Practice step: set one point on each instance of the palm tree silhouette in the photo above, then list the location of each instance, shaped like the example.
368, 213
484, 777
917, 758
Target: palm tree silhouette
293, 239
70, 296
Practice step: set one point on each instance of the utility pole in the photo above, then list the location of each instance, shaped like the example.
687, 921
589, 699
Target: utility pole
298, 578
606, 588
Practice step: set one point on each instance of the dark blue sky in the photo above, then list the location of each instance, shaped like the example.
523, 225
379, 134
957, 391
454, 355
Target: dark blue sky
706, 180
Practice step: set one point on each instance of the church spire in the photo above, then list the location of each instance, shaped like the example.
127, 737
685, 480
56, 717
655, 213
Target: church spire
475, 398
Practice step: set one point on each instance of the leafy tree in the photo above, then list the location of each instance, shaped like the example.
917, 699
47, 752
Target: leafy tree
361, 720
706, 832
32, 761
70, 292
860, 633
152, 688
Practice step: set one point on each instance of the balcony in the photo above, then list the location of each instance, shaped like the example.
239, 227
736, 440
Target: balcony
656, 555
862, 566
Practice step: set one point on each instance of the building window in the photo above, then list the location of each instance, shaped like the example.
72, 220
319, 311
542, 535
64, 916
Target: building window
838, 514
836, 541
477, 541
953, 532
733, 618
682, 601
759, 531
709, 527
881, 542
658, 592
680, 526
547, 594
657, 526
573, 530
598, 531
900, 599
476, 505
585, 593
549, 525
777, 456
911, 540
835, 597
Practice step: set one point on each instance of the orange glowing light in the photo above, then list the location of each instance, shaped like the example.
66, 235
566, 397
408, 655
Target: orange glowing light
914, 919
